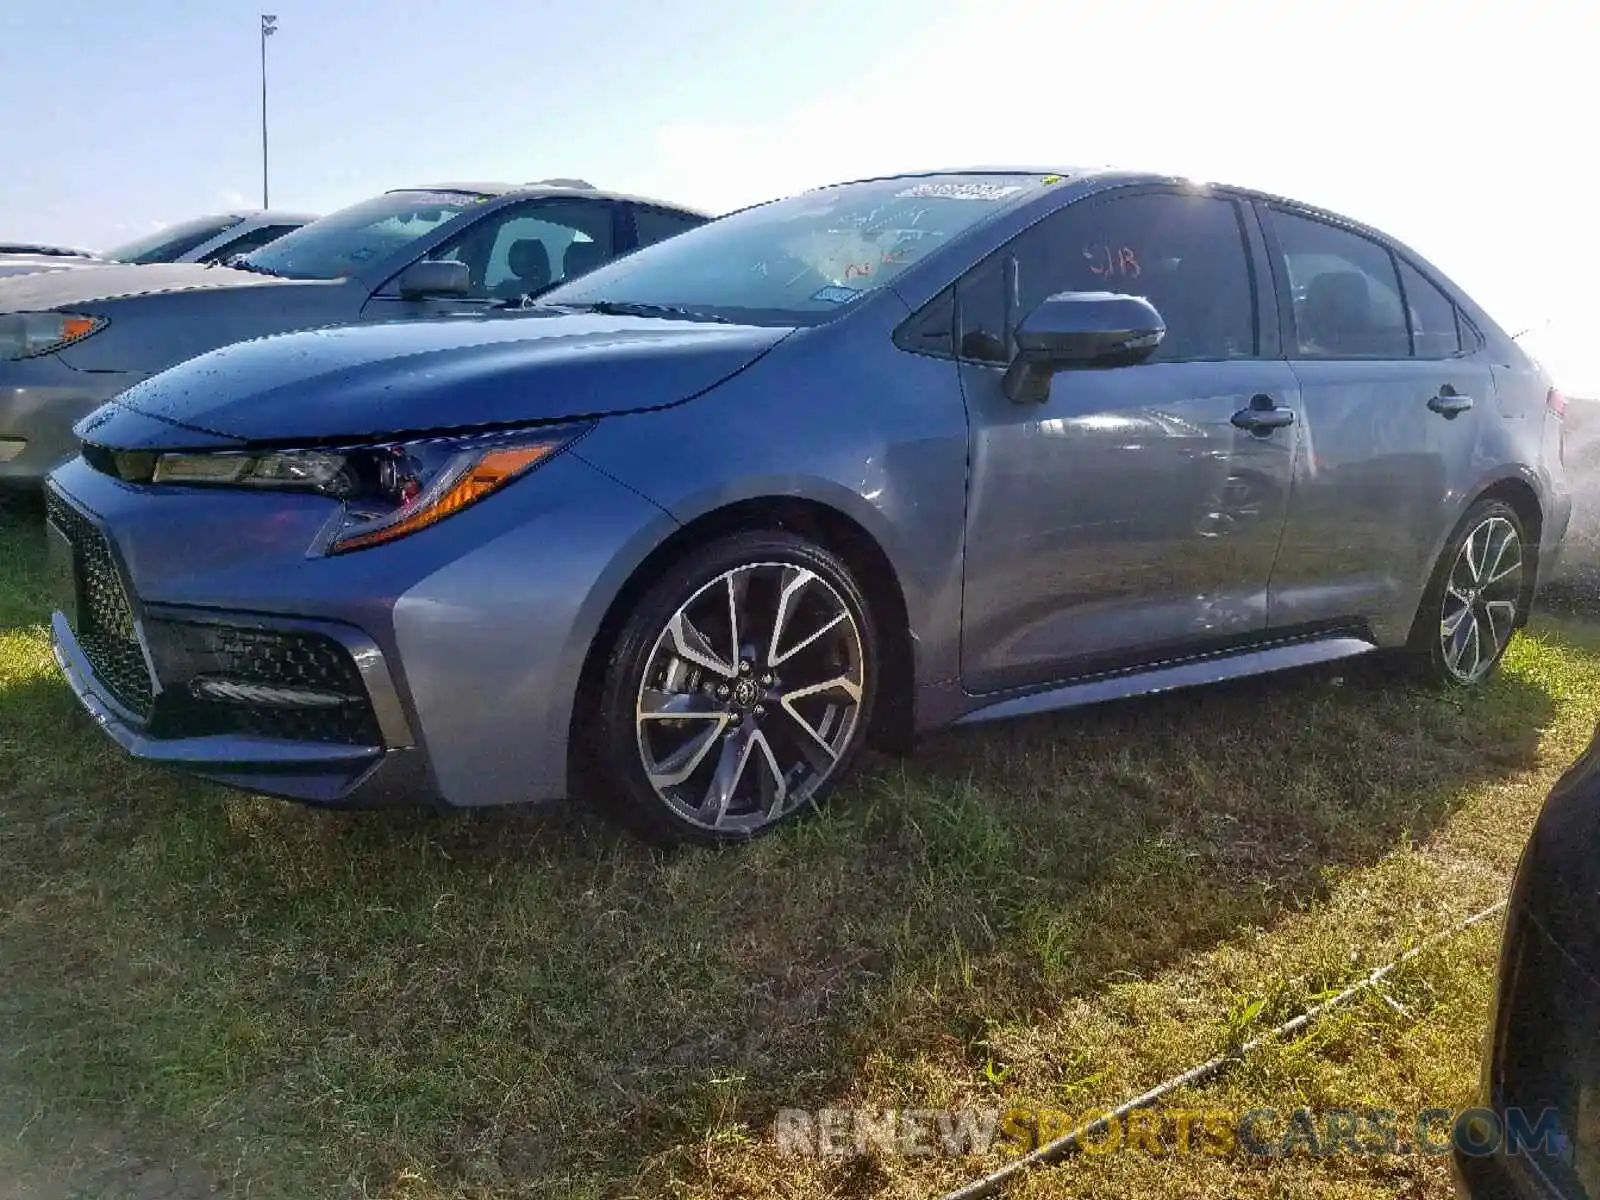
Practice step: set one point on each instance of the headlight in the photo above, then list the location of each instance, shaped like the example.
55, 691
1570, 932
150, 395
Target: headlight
388, 491
23, 335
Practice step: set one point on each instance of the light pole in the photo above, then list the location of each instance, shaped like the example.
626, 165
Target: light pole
269, 26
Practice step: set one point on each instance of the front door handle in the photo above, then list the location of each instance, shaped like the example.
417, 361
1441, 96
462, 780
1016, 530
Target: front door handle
1263, 416
1450, 403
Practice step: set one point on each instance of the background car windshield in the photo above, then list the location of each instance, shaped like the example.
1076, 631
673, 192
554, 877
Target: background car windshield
173, 242
803, 260
343, 242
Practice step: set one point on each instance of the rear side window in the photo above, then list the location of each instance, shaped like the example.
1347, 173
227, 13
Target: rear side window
1434, 331
1185, 254
655, 224
1346, 292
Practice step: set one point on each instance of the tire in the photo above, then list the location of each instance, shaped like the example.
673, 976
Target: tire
689, 747
1475, 601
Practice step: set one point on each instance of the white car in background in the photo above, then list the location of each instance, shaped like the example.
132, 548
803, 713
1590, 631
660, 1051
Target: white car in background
208, 239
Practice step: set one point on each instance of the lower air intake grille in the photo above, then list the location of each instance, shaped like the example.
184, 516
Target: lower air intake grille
278, 683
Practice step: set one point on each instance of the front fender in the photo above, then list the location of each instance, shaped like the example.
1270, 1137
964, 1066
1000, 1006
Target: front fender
494, 642
881, 440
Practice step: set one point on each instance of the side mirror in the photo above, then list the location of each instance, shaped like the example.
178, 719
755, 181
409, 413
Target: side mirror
434, 277
1080, 329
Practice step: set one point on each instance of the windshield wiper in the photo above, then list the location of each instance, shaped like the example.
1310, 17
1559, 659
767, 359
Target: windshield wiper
670, 312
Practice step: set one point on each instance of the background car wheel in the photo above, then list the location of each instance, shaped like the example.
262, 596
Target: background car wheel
738, 692
1476, 599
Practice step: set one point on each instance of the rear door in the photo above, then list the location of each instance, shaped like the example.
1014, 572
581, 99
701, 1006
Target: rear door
520, 249
1131, 516
1393, 386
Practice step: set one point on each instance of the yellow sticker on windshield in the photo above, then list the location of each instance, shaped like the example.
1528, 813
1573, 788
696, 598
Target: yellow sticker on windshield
1051, 179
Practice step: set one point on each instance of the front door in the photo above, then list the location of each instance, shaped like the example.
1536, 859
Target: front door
1135, 515
1393, 387
519, 250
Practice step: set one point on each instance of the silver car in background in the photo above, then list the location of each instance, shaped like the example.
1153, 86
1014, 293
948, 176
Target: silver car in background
208, 239
71, 340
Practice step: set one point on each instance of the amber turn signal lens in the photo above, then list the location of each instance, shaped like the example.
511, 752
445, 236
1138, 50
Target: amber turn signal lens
73, 328
495, 469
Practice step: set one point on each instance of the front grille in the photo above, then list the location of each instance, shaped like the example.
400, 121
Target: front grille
105, 630
255, 675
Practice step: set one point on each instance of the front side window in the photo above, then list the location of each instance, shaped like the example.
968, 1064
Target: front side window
1346, 293
173, 242
803, 260
345, 242
1184, 253
1434, 333
525, 248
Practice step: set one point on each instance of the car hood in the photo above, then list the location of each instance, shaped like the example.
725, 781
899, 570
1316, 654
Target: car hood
28, 264
403, 377
54, 289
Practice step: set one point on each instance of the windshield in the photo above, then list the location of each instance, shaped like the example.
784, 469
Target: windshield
343, 242
799, 261
173, 242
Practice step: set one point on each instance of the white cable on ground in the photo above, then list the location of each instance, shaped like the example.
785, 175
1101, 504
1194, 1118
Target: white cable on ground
1069, 1143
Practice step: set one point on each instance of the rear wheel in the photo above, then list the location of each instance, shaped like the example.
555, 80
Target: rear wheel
738, 692
1476, 599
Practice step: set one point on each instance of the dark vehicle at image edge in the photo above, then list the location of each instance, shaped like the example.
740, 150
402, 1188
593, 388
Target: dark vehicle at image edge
1542, 1054
849, 466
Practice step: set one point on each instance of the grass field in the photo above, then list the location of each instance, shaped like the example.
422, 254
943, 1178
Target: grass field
205, 990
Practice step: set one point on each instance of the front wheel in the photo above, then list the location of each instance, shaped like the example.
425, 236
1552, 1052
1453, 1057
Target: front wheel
738, 691
1476, 599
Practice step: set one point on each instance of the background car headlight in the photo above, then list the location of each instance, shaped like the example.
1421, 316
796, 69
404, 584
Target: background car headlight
388, 491
23, 335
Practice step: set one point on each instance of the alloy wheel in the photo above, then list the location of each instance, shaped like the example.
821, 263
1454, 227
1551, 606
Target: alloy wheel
751, 697
1481, 595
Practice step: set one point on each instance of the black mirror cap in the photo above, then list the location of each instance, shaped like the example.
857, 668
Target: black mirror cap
434, 277
1080, 329
1090, 329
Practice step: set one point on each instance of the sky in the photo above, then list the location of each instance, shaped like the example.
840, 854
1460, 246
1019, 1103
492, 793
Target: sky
1465, 130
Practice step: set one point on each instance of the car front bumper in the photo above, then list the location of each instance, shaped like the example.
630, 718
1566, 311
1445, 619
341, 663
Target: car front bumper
40, 401
350, 775
200, 634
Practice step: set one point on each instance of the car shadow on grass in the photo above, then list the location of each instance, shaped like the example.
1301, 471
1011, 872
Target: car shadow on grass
525, 997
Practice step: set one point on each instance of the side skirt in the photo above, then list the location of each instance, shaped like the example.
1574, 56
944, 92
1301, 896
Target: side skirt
1168, 676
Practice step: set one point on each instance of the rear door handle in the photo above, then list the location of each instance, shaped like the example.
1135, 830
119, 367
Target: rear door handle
1450, 403
1263, 416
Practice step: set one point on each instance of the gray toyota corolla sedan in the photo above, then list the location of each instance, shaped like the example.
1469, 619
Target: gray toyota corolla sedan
70, 340
832, 470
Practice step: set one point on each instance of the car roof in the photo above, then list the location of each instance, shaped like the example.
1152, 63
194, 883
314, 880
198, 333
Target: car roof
550, 187
1125, 175
1095, 178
